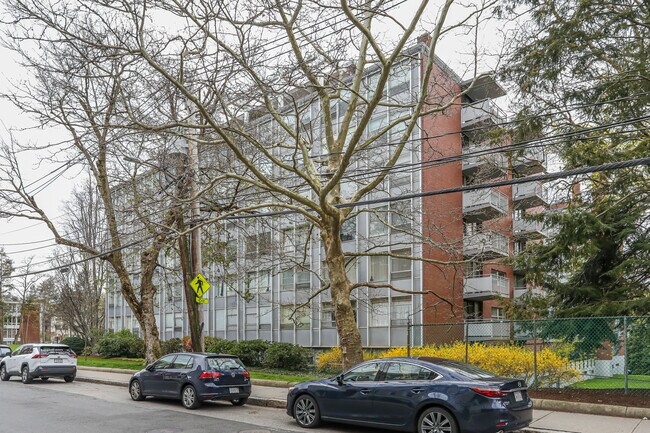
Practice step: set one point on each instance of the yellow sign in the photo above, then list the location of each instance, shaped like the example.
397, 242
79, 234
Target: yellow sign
200, 285
201, 300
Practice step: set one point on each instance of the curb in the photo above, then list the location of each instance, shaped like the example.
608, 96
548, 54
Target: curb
259, 382
253, 401
591, 408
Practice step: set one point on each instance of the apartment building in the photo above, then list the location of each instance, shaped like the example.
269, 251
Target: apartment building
270, 285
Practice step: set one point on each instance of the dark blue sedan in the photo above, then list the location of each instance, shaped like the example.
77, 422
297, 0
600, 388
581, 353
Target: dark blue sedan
193, 378
423, 395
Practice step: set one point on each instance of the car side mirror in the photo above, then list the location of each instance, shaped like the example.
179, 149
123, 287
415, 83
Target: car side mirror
339, 379
150, 367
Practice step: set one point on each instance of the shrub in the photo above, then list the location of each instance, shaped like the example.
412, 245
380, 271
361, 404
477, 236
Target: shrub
332, 361
251, 352
221, 346
505, 360
121, 344
286, 356
171, 346
209, 341
77, 344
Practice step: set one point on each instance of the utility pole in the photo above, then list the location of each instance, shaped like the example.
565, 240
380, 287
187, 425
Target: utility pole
195, 237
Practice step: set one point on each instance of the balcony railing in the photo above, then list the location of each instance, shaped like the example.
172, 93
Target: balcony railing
487, 244
529, 161
528, 229
486, 287
484, 204
537, 291
481, 331
482, 159
530, 194
485, 110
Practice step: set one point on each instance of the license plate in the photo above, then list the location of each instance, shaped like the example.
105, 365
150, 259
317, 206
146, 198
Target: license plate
58, 360
518, 396
234, 390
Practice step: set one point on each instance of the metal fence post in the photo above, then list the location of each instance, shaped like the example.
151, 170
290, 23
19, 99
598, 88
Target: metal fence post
534, 355
408, 337
625, 353
466, 342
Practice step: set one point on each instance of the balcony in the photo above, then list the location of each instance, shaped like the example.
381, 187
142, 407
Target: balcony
481, 113
489, 245
528, 229
529, 161
482, 331
484, 204
536, 291
480, 160
486, 287
531, 194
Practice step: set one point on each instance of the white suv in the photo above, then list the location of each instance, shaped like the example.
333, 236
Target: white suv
39, 360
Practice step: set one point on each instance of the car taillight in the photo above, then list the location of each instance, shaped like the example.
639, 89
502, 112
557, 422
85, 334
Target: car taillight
210, 375
72, 355
488, 392
39, 355
247, 374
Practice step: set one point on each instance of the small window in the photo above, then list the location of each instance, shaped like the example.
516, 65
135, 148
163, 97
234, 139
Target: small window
27, 350
400, 267
378, 269
183, 361
363, 373
224, 364
408, 372
379, 312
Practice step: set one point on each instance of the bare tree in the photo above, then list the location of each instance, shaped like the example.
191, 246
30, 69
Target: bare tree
25, 291
299, 93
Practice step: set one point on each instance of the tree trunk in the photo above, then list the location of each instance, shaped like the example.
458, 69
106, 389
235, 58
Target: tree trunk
147, 322
192, 306
340, 288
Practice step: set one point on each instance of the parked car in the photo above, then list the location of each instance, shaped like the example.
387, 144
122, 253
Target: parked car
4, 351
419, 394
42, 361
193, 378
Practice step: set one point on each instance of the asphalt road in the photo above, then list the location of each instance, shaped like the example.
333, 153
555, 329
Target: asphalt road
59, 407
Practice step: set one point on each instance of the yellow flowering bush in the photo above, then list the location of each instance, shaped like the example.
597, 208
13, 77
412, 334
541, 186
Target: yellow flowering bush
506, 360
331, 360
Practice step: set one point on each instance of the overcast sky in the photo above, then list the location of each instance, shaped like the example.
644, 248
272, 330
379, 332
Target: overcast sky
19, 236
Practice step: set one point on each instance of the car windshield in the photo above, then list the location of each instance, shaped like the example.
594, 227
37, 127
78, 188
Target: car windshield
55, 350
467, 370
225, 364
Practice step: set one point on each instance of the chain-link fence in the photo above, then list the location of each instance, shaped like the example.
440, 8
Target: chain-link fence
595, 353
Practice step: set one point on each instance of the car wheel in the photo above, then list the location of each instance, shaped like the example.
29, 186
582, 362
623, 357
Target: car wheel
189, 398
69, 379
4, 376
136, 391
437, 420
306, 412
25, 377
45, 379
239, 401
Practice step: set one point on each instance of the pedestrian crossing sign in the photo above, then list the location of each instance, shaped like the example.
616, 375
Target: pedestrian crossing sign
200, 285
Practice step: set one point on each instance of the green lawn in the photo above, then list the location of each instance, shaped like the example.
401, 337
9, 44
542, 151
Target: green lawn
138, 364
123, 363
616, 382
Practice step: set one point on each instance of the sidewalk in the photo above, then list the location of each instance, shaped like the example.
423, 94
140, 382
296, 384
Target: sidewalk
544, 420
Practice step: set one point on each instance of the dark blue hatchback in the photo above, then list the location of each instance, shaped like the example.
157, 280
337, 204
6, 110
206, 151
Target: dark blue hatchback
423, 395
193, 378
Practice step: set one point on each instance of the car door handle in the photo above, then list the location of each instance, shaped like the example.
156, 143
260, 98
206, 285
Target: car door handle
365, 391
417, 390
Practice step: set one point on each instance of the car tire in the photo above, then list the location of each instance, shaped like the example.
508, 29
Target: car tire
189, 398
239, 401
135, 390
44, 379
69, 379
306, 412
437, 419
4, 376
24, 375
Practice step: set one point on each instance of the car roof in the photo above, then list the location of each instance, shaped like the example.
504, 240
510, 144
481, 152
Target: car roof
206, 354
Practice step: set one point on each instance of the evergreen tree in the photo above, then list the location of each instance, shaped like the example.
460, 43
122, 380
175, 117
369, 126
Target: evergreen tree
580, 65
